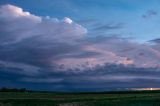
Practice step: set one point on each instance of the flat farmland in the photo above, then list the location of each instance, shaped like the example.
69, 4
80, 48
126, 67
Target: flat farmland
80, 99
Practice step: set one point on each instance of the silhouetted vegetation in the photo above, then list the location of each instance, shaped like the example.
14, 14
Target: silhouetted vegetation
14, 90
59, 92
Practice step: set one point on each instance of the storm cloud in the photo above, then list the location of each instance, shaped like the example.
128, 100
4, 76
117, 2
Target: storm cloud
62, 53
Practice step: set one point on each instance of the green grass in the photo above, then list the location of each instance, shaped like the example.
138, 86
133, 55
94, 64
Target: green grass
79, 99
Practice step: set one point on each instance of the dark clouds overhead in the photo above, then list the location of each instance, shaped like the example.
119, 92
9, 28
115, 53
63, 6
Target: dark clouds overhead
108, 77
60, 54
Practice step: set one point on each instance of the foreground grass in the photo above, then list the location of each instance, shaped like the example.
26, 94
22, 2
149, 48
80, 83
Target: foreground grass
84, 99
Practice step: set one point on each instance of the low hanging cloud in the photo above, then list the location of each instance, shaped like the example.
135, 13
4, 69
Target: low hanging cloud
54, 51
108, 77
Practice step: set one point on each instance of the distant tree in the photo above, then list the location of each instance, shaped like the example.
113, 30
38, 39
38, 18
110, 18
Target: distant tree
14, 90
22, 90
3, 90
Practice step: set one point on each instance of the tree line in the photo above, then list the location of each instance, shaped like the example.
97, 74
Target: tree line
14, 90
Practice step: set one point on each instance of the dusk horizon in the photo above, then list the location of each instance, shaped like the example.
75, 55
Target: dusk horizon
76, 45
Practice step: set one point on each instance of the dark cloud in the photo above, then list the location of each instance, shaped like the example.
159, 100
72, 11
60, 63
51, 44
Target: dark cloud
38, 41
155, 40
109, 27
108, 77
58, 53
149, 14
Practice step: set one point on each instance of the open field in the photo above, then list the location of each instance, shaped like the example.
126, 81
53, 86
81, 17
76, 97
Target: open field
80, 99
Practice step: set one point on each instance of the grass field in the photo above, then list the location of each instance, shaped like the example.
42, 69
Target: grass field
79, 99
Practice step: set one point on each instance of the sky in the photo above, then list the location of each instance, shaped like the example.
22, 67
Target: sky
79, 45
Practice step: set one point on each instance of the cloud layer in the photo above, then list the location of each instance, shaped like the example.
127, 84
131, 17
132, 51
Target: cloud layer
44, 49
